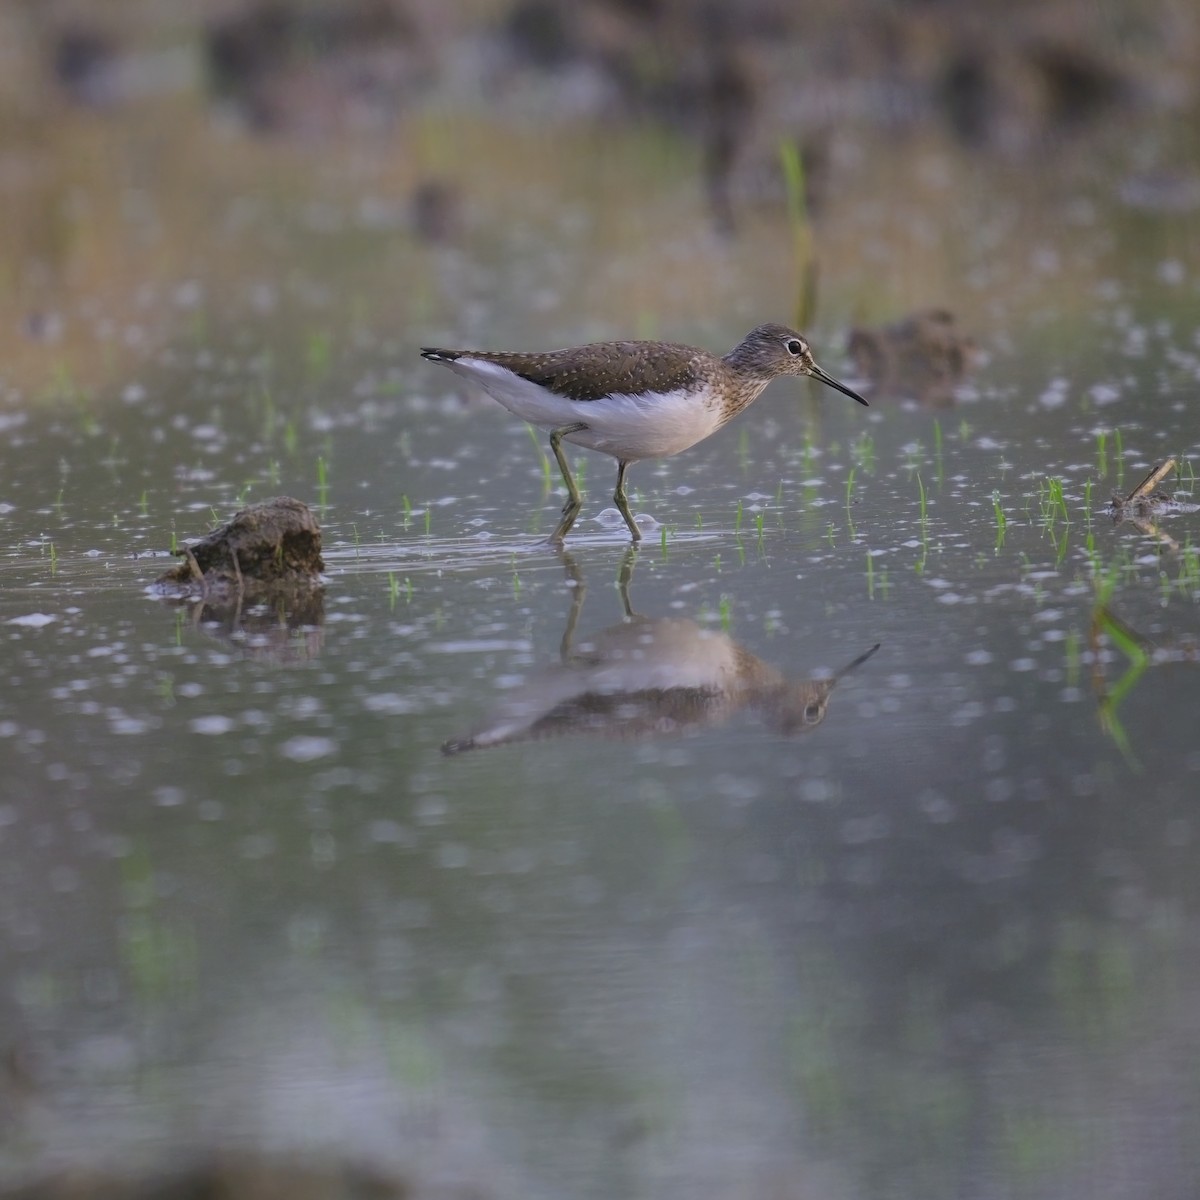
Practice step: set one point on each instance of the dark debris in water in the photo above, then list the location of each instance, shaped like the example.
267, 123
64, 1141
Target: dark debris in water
1148, 499
1147, 502
242, 1177
265, 550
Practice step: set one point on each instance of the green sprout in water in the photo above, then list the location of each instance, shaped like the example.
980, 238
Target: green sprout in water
322, 481
547, 476
317, 354
393, 589
862, 450
1001, 520
797, 211
726, 610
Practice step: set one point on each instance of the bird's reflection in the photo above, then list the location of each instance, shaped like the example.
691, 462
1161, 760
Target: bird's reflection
646, 677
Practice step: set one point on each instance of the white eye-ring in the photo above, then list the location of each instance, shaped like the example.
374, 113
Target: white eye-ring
794, 346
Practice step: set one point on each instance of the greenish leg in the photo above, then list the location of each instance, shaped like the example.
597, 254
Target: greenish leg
622, 502
625, 578
578, 590
574, 501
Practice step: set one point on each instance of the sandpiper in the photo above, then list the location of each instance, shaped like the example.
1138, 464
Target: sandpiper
633, 400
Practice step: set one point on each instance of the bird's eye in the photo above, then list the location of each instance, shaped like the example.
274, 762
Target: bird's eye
794, 346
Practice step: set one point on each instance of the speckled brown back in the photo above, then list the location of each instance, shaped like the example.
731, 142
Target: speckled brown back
604, 368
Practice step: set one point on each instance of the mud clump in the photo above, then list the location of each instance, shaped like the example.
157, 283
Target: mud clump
924, 356
264, 550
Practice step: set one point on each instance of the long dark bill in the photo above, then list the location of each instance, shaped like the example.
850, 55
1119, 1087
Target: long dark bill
817, 373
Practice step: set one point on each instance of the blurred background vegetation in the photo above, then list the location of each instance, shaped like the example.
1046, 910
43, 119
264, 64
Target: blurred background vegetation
707, 153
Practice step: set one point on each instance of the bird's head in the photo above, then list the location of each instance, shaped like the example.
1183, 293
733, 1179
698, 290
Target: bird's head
771, 350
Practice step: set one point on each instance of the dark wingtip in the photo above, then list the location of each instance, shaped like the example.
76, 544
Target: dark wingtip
457, 746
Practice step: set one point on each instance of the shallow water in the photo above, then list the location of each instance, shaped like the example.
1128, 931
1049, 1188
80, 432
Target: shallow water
931, 930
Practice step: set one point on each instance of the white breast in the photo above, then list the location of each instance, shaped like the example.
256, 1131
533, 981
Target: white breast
650, 425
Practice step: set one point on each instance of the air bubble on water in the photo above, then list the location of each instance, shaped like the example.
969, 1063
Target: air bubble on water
609, 518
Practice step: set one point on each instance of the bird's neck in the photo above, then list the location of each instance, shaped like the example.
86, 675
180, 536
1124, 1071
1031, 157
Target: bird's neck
740, 390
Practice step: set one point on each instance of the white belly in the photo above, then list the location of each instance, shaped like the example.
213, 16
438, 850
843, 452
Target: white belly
650, 425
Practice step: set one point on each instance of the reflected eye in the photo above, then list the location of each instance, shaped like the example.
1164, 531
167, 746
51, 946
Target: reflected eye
794, 346
812, 714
